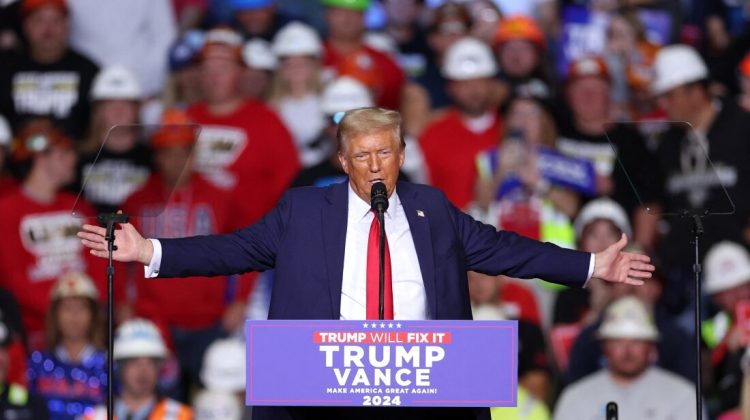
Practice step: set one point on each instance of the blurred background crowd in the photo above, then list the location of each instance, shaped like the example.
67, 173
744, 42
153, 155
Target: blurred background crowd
568, 121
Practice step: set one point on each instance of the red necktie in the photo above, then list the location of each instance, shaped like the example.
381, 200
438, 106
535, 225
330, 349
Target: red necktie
373, 275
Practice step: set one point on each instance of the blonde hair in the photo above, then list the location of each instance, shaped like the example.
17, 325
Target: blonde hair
360, 121
280, 87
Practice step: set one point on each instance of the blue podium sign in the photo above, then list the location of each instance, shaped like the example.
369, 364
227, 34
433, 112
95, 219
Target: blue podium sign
382, 363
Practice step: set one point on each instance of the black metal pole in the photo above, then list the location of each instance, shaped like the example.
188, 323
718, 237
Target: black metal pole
697, 232
110, 324
109, 221
381, 259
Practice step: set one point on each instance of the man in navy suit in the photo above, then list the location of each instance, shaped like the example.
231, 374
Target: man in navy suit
317, 241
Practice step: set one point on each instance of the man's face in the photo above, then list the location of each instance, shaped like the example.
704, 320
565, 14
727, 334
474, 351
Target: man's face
220, 79
598, 235
628, 358
728, 299
518, 58
345, 24
371, 158
678, 103
139, 376
588, 97
256, 22
172, 161
47, 29
471, 96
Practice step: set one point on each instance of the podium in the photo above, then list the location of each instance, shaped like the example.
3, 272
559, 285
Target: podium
382, 363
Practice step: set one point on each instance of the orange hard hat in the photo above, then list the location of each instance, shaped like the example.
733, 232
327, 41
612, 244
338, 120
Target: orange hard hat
519, 27
176, 130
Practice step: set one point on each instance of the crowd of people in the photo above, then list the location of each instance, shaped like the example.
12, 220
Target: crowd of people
567, 121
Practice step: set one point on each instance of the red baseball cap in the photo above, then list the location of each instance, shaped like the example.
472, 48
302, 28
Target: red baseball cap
30, 6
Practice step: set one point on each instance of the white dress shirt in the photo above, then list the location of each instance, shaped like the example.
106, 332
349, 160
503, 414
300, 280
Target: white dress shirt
409, 296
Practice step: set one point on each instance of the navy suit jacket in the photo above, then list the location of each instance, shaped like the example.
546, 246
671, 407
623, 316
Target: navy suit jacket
303, 239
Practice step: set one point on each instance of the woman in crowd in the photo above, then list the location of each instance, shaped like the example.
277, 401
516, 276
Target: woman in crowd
71, 375
296, 88
123, 164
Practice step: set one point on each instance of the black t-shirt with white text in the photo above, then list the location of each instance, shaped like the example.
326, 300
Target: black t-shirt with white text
692, 183
58, 91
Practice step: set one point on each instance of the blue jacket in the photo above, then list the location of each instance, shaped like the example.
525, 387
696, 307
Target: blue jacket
303, 239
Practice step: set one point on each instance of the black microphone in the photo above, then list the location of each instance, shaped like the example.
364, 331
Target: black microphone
612, 411
379, 197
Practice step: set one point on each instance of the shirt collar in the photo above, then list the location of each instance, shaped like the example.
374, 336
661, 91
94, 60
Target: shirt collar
359, 209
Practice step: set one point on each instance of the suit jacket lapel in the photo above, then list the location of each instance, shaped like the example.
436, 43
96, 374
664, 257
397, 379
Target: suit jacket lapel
419, 225
334, 217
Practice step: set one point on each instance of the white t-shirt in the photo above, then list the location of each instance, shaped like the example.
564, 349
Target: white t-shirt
655, 395
304, 119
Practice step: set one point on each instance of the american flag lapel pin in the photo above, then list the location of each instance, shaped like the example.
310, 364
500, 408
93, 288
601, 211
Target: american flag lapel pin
420, 213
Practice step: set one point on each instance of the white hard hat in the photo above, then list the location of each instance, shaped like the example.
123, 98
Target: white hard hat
257, 54
469, 58
727, 265
297, 38
602, 208
116, 82
628, 318
74, 284
677, 65
5, 134
343, 94
224, 366
217, 405
139, 338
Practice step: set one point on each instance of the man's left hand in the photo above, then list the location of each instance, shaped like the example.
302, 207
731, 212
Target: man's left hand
617, 266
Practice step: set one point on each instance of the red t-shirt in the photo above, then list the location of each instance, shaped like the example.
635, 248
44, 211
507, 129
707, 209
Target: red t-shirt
450, 151
373, 68
248, 152
519, 303
40, 245
197, 208
7, 185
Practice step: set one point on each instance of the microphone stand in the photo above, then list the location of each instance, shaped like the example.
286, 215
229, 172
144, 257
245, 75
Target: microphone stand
109, 220
697, 229
381, 265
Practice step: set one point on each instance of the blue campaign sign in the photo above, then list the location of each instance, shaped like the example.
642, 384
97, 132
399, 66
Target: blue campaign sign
382, 363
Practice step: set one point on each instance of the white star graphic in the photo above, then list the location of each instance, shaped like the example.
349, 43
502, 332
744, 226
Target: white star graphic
390, 325
364, 325
398, 325
374, 325
382, 325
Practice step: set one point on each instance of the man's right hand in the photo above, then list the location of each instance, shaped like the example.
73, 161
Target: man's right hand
131, 246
